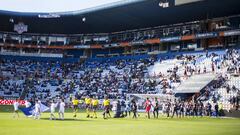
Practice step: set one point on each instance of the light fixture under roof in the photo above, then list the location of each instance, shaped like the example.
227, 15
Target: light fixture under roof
164, 4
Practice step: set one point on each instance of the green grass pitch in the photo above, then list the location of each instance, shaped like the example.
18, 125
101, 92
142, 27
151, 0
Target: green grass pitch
121, 126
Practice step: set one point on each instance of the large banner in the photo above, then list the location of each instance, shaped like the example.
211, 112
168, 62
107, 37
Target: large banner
10, 102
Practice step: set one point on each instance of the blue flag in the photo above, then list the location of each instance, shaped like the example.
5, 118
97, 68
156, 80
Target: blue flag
27, 111
30, 110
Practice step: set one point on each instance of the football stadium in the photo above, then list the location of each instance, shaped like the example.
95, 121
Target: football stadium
119, 67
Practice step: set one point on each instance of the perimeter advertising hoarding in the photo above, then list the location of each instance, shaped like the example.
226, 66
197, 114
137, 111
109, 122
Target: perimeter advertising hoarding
10, 102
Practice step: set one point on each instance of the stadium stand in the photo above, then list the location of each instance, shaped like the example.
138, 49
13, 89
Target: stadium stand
122, 67
141, 76
190, 60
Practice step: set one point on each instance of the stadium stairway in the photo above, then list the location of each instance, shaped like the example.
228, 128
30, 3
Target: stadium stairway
195, 83
226, 96
163, 67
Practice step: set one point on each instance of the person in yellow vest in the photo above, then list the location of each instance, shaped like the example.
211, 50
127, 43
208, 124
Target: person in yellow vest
88, 105
75, 103
220, 109
95, 103
106, 105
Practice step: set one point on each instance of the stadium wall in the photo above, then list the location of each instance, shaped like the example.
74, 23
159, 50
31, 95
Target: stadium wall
111, 59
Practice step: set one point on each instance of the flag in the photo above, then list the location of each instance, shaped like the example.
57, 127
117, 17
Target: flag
30, 110
27, 111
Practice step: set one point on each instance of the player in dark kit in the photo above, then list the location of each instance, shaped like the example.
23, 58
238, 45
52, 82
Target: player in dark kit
168, 108
175, 108
181, 109
156, 108
209, 109
134, 108
195, 110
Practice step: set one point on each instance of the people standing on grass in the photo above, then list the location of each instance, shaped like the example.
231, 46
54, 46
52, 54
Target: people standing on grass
127, 109
61, 109
95, 104
148, 106
75, 103
156, 108
106, 105
201, 109
123, 106
88, 101
175, 108
216, 110
195, 109
209, 109
188, 109
181, 109
134, 109
52, 110
168, 108
37, 112
15, 106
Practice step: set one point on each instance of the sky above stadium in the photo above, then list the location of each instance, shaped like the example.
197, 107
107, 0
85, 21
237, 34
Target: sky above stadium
43, 6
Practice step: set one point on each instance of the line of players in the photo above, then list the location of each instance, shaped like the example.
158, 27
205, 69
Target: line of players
37, 109
91, 105
180, 109
170, 108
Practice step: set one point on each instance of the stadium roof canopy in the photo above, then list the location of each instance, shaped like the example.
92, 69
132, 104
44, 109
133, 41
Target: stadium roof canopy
111, 15
59, 6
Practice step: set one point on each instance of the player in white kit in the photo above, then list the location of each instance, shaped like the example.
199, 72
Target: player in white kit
52, 110
15, 105
61, 110
37, 111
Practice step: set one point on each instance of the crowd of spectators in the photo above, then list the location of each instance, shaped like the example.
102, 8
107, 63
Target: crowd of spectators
47, 80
